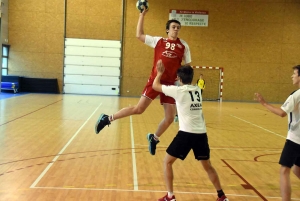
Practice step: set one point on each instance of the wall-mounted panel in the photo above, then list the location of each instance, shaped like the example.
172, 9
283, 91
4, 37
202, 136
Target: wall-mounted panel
92, 66
91, 89
92, 70
96, 80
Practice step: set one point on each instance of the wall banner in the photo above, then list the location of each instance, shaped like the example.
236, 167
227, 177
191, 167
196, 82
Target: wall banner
197, 18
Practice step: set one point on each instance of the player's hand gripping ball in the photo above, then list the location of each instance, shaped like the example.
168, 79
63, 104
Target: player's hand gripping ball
141, 5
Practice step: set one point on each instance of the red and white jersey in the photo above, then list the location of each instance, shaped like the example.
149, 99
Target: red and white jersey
171, 52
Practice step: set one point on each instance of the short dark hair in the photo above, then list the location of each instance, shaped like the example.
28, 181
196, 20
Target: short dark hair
186, 74
297, 68
171, 21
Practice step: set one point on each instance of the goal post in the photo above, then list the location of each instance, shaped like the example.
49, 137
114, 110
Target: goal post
213, 77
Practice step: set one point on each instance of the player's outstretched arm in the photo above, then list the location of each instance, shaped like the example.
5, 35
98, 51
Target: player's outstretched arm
271, 108
140, 27
157, 86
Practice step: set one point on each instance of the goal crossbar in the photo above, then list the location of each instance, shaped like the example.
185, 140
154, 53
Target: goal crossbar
221, 70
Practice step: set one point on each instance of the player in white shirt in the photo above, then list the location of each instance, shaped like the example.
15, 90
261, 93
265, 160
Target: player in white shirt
192, 128
290, 156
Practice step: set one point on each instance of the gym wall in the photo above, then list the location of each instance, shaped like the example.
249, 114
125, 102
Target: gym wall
257, 42
36, 36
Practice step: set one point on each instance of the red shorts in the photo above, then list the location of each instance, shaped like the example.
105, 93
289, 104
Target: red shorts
149, 92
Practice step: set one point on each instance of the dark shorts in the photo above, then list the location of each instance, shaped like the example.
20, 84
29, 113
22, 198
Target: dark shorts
184, 142
149, 92
290, 154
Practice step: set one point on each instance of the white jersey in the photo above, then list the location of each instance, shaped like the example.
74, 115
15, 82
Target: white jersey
189, 107
292, 107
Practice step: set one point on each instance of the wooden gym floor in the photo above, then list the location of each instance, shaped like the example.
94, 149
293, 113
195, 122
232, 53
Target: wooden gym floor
49, 151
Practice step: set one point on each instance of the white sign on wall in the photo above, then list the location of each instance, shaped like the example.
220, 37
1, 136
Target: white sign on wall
196, 18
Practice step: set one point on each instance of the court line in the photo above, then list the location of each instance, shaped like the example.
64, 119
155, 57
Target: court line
158, 148
259, 126
230, 149
135, 178
135, 152
30, 112
247, 184
62, 150
255, 159
153, 191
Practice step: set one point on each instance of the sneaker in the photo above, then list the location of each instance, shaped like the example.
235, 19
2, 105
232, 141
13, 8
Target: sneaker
152, 143
223, 198
176, 119
101, 123
166, 198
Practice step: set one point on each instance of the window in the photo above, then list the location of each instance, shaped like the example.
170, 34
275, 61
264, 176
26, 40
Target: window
5, 51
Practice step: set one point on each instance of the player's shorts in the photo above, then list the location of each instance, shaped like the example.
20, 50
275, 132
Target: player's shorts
150, 93
290, 154
184, 142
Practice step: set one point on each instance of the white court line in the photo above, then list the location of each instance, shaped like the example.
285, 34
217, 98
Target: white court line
235, 149
258, 126
135, 178
61, 151
153, 191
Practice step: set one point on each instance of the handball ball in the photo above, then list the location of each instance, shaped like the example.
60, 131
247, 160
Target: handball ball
141, 4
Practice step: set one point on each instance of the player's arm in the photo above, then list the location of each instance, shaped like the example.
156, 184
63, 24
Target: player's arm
187, 55
157, 86
140, 27
187, 58
271, 108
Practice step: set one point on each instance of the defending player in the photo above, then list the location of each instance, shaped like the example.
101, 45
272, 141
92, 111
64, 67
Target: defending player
192, 128
290, 156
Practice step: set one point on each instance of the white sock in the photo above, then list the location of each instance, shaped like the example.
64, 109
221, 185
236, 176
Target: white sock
111, 118
170, 194
156, 137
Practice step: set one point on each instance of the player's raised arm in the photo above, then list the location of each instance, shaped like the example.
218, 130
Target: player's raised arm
157, 86
271, 108
140, 27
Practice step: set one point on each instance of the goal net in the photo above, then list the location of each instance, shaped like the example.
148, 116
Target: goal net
213, 77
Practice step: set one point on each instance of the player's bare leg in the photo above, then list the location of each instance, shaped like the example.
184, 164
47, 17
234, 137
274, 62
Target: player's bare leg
168, 170
212, 174
170, 111
153, 139
142, 105
105, 120
214, 178
168, 175
285, 183
296, 171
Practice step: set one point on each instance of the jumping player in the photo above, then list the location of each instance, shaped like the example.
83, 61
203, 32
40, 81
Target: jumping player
172, 51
